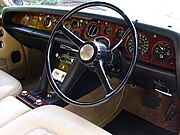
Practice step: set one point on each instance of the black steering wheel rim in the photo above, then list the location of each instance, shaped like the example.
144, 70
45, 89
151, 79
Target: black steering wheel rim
50, 48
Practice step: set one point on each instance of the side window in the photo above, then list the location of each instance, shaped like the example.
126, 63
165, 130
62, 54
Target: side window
1, 7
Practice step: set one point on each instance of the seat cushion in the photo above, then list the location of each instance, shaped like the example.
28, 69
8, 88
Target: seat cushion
40, 131
9, 85
10, 109
52, 120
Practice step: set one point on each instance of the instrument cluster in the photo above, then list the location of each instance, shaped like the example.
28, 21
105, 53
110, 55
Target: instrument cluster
152, 48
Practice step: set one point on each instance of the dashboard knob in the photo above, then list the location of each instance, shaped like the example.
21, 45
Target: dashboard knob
38, 102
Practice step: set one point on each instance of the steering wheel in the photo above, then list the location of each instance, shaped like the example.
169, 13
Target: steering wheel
91, 54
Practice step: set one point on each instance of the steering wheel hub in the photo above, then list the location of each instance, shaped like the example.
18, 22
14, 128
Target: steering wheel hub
87, 52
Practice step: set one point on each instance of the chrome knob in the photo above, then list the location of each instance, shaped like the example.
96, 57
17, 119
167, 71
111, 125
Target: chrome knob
24, 93
38, 102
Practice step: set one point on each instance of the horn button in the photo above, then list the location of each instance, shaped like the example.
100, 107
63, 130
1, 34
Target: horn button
87, 52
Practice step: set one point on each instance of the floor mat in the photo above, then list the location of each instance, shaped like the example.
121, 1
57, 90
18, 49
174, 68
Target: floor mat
128, 124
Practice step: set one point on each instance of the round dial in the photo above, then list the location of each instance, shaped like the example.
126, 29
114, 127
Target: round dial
92, 29
68, 26
107, 30
142, 44
74, 24
119, 32
162, 51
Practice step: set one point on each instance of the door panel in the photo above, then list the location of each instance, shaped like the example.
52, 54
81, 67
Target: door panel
12, 57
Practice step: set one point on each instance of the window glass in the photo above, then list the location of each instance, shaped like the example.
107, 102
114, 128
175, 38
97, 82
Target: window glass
1, 7
52, 2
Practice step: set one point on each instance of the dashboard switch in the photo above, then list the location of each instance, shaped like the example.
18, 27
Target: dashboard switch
1, 33
1, 44
59, 75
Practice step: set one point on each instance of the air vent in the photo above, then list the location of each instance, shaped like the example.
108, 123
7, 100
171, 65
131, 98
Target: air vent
92, 30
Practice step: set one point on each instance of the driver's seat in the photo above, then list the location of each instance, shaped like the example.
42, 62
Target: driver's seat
50, 120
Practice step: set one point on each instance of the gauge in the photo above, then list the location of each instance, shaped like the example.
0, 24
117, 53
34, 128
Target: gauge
68, 26
103, 40
162, 51
107, 30
92, 29
74, 24
119, 32
47, 22
142, 44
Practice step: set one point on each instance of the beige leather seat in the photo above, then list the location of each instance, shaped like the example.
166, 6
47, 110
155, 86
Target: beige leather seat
9, 85
18, 119
10, 109
50, 120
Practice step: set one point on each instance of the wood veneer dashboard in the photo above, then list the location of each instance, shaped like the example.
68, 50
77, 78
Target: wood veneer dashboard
153, 48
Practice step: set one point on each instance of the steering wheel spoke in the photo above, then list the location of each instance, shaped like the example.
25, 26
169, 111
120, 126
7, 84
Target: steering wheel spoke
103, 77
73, 75
75, 39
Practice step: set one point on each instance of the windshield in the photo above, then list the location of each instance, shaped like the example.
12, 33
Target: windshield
53, 2
167, 8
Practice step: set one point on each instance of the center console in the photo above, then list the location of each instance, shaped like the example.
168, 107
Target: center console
31, 100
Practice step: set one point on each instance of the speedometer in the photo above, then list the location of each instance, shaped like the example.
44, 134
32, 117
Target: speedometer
142, 44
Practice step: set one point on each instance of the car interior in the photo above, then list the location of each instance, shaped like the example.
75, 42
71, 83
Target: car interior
88, 69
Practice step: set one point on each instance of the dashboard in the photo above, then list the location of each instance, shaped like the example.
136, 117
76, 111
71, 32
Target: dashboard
158, 48
153, 48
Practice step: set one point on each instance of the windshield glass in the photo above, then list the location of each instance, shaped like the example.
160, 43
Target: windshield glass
167, 8
53, 2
